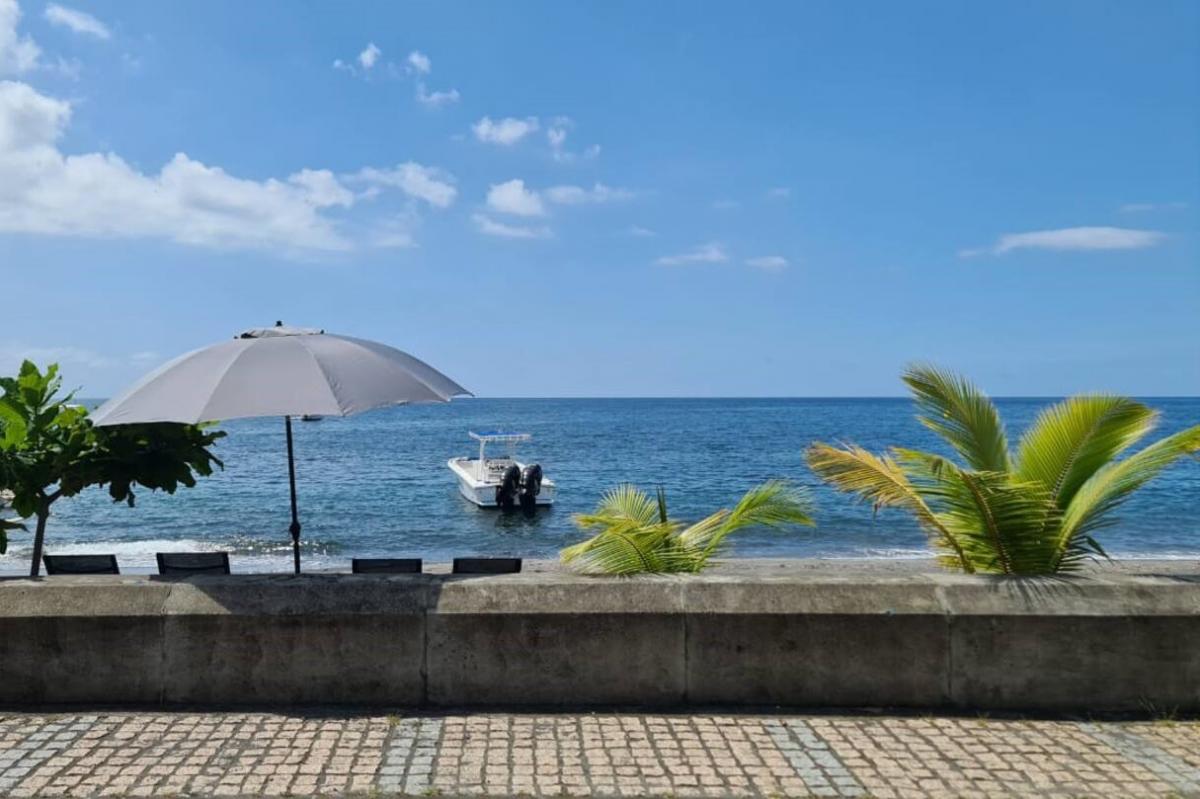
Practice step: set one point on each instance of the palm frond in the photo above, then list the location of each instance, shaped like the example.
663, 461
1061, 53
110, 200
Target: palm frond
1093, 504
1003, 527
636, 535
698, 536
960, 413
624, 548
624, 503
1073, 439
881, 481
775, 503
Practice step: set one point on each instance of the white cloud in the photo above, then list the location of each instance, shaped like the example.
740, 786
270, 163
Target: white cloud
556, 135
430, 184
369, 56
1074, 238
640, 232
507, 131
45, 191
1138, 208
324, 190
394, 234
420, 62
436, 98
17, 53
511, 197
491, 227
576, 195
771, 263
13, 353
77, 21
711, 253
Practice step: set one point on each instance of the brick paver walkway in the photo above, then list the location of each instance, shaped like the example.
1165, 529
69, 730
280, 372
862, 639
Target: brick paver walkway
603, 754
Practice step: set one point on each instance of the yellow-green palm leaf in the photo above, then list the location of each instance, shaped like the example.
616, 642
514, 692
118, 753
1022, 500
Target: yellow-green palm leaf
636, 536
960, 413
1071, 440
1032, 514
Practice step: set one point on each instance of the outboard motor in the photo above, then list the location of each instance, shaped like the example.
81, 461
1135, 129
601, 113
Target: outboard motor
510, 484
531, 486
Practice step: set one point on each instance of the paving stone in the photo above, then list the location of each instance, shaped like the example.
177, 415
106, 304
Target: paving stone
315, 753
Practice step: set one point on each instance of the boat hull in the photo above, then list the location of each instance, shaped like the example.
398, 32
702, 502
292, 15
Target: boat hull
483, 493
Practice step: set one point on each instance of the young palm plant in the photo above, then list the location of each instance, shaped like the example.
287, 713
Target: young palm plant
634, 534
1034, 511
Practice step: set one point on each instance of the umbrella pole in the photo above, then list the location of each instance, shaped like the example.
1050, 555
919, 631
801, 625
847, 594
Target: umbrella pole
294, 529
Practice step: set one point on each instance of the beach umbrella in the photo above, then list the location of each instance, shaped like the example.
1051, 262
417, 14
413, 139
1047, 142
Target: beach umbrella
279, 371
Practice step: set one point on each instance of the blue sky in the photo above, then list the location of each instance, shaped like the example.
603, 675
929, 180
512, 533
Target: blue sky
611, 199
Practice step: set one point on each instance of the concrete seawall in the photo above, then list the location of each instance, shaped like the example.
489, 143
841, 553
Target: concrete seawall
1104, 642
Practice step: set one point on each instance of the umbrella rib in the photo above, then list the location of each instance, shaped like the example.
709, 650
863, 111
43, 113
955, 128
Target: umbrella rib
359, 343
217, 386
328, 383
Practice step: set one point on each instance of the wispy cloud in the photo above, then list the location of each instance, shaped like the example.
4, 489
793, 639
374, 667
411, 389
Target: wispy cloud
577, 195
364, 62
557, 131
436, 99
711, 253
77, 21
779, 193
1073, 238
725, 205
507, 131
44, 191
434, 186
640, 232
369, 56
511, 197
13, 353
770, 263
491, 227
1142, 208
17, 53
419, 62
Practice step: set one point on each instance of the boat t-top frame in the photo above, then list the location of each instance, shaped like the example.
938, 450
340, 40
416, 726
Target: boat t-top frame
491, 437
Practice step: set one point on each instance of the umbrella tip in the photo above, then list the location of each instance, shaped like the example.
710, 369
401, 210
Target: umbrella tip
278, 323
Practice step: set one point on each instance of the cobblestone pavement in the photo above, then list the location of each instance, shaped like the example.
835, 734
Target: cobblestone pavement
603, 754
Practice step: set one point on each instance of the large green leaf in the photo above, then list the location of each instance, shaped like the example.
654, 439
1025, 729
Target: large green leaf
1071, 440
1094, 503
883, 482
960, 413
635, 536
1003, 527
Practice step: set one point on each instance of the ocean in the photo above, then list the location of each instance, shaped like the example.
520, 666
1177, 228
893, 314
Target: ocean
377, 484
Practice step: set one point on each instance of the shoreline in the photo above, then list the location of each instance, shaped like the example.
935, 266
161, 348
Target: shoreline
837, 567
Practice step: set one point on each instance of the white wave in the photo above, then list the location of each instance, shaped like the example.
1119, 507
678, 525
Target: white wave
136, 557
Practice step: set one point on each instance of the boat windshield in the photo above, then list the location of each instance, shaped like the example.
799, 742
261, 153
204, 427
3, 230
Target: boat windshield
491, 436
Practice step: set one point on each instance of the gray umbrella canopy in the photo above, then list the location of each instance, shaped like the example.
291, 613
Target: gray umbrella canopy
279, 371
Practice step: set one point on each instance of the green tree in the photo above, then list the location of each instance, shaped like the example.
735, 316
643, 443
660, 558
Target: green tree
6, 526
49, 449
1032, 511
635, 534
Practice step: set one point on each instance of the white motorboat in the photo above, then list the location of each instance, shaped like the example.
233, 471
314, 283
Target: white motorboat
503, 482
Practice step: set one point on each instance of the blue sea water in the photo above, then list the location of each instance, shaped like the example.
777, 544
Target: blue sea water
377, 484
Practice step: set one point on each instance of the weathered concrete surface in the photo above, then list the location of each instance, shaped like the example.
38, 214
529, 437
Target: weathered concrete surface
519, 640
1102, 642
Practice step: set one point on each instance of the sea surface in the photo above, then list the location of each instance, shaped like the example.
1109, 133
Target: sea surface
377, 484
